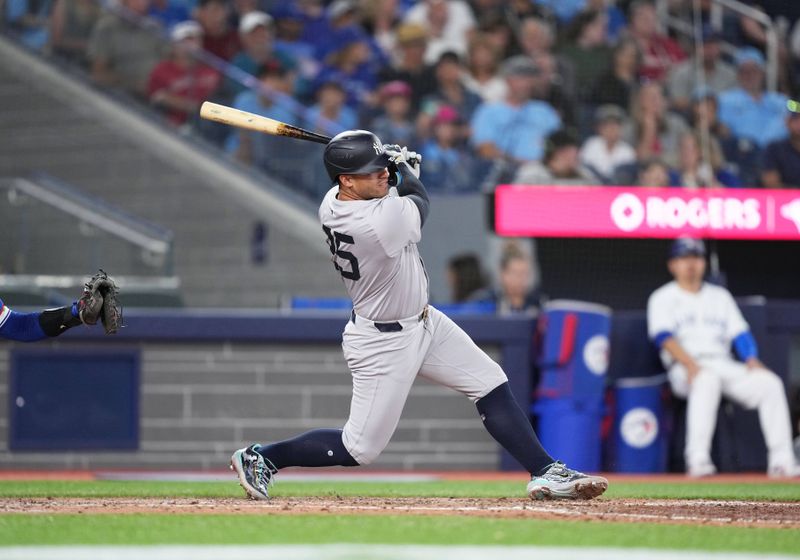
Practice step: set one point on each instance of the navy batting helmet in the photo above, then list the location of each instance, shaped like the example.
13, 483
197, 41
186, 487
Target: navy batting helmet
354, 152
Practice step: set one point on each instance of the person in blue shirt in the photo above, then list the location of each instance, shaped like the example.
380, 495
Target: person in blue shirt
330, 107
252, 147
449, 166
514, 129
748, 110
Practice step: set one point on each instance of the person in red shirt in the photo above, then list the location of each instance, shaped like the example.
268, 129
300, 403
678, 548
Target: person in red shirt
659, 52
179, 84
219, 38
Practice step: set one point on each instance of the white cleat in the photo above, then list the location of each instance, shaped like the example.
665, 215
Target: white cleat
563, 483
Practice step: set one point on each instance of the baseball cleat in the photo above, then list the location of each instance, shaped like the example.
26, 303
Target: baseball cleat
562, 483
255, 476
784, 471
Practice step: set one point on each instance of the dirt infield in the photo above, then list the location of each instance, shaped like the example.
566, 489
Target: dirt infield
689, 512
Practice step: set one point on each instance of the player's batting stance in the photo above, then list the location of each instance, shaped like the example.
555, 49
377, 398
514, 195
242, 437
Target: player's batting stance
98, 302
394, 335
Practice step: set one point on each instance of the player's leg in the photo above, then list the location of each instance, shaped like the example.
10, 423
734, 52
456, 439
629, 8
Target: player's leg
763, 390
455, 361
702, 402
383, 366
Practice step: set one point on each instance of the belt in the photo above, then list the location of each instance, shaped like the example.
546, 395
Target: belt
393, 326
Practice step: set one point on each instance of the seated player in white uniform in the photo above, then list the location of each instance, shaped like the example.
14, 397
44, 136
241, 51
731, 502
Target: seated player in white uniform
393, 335
696, 325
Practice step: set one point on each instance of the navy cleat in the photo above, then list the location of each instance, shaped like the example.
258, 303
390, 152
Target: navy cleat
255, 474
561, 482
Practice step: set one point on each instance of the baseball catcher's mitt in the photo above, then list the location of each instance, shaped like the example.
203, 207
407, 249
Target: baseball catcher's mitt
99, 301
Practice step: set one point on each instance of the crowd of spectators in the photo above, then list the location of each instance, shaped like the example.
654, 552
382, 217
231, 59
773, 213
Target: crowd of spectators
530, 91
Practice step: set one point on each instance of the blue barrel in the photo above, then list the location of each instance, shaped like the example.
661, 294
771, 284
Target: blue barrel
639, 444
575, 350
570, 431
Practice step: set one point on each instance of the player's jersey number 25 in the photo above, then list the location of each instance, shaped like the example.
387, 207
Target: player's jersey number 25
349, 263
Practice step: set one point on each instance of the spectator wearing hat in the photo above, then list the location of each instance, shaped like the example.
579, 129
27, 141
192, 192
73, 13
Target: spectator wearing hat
256, 33
352, 65
316, 25
748, 110
123, 51
271, 100
515, 128
394, 124
179, 84
699, 329
659, 52
718, 75
654, 131
483, 65
289, 25
559, 166
219, 38
331, 107
449, 165
410, 66
606, 151
781, 164
450, 90
449, 24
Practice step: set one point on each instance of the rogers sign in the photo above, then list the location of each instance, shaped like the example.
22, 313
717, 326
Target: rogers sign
646, 212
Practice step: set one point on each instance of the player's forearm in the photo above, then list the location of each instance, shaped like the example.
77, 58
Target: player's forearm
30, 327
677, 352
413, 188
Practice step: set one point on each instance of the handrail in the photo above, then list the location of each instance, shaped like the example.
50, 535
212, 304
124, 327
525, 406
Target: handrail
717, 7
66, 281
763, 19
90, 210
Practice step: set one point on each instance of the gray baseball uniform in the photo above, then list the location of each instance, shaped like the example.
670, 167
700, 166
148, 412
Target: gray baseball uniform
393, 334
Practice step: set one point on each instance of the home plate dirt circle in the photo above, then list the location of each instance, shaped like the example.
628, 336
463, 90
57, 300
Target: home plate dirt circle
694, 512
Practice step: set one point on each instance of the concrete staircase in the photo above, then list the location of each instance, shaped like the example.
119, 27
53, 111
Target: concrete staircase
57, 124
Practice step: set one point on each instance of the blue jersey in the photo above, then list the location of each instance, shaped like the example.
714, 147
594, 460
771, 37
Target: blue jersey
24, 327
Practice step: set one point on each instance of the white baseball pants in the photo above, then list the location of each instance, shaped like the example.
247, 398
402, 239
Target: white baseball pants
385, 364
753, 389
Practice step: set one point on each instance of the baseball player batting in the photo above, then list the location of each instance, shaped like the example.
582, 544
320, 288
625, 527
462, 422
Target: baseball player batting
394, 335
695, 324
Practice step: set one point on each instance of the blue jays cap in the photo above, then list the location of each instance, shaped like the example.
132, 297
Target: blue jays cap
687, 246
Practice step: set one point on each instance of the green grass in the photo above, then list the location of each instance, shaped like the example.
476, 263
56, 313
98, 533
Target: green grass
316, 529
491, 489
21, 529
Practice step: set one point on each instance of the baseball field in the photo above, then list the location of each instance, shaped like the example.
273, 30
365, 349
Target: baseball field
457, 515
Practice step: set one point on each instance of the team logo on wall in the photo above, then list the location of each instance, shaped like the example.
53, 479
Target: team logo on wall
639, 427
595, 354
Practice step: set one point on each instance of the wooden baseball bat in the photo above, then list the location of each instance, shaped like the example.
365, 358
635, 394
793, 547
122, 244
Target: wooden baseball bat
242, 119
